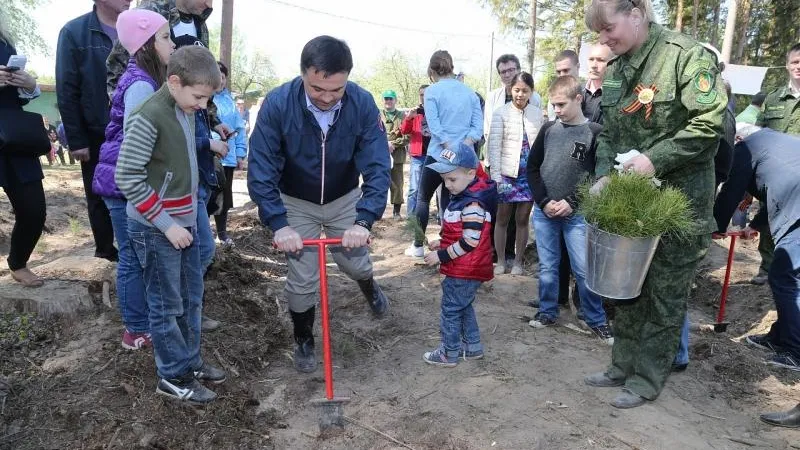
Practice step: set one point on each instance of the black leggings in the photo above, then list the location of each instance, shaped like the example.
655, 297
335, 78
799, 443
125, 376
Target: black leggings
221, 219
428, 182
30, 211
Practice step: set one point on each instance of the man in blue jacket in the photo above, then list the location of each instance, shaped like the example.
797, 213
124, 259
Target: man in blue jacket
313, 138
83, 46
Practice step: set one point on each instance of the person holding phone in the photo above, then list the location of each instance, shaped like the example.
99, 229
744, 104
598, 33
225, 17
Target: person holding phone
20, 176
237, 152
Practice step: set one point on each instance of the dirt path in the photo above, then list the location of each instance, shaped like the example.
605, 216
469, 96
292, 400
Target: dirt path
72, 386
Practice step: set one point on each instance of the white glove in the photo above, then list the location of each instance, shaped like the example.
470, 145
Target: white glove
622, 158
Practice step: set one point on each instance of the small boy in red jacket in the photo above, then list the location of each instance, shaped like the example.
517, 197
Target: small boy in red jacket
464, 252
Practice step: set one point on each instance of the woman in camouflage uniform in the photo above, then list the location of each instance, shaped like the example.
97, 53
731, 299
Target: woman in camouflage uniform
663, 96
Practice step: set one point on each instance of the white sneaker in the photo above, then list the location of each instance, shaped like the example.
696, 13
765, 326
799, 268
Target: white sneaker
499, 269
516, 270
414, 251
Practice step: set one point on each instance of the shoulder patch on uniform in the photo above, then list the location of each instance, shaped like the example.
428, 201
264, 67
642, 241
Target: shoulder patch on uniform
704, 81
696, 66
707, 98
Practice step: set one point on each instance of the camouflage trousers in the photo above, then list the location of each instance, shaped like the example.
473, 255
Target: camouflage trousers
647, 331
396, 187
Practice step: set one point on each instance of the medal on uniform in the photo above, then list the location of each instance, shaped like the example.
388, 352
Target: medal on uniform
644, 97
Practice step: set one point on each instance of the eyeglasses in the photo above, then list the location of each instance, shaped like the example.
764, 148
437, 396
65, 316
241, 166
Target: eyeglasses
508, 71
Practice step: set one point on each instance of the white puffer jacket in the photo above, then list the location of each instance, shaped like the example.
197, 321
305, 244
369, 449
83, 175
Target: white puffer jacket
505, 137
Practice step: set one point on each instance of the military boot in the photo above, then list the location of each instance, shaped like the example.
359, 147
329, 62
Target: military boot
304, 358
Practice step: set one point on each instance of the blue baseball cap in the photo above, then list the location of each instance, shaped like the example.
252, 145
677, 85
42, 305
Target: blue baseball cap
453, 157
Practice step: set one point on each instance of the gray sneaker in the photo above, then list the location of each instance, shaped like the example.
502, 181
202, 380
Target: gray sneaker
601, 379
209, 324
760, 279
186, 389
209, 373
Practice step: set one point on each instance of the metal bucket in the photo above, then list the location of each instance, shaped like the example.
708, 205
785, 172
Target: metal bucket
616, 266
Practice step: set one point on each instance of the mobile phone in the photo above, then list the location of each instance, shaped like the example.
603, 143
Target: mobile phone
231, 135
16, 62
10, 69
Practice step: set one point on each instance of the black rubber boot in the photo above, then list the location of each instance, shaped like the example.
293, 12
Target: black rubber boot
375, 297
304, 358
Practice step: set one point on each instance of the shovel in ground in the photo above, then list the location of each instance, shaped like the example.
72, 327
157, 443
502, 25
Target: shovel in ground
721, 326
331, 408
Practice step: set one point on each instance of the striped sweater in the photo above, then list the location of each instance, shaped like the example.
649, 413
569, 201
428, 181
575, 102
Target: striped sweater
157, 166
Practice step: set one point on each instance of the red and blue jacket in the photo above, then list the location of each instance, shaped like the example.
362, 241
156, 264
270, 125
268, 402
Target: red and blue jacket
465, 254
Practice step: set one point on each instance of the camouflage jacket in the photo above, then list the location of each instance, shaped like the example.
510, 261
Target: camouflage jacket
781, 111
118, 59
400, 141
666, 100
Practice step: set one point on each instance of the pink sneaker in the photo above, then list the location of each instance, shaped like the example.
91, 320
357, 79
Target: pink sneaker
135, 341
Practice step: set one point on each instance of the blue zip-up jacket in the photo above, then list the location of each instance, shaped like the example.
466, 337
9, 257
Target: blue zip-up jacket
227, 114
81, 80
453, 113
290, 155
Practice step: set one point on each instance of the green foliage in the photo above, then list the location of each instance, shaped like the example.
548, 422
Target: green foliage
252, 72
17, 25
631, 205
397, 71
559, 25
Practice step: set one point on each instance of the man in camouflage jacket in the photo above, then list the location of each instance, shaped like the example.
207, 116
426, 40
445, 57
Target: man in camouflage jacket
172, 10
392, 119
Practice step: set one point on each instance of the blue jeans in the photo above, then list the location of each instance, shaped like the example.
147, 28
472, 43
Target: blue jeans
205, 238
173, 281
458, 323
548, 244
130, 285
784, 279
683, 348
413, 182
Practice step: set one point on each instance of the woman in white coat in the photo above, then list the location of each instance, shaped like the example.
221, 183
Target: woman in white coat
512, 132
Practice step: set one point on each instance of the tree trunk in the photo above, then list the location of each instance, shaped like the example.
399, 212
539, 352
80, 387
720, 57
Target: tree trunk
715, 26
679, 17
532, 41
747, 6
730, 31
694, 18
226, 36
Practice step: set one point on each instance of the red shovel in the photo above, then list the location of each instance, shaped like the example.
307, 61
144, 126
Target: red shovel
331, 408
720, 326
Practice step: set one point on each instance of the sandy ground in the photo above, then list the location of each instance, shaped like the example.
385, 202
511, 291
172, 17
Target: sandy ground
67, 383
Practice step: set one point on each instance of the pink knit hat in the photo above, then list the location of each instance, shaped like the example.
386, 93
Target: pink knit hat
136, 26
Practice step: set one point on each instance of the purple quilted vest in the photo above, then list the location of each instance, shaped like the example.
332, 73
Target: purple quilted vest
103, 183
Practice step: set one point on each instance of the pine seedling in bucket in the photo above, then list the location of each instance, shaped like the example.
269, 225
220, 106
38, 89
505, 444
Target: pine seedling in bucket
625, 221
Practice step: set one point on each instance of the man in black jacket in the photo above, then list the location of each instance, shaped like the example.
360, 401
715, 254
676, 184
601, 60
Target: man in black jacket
83, 46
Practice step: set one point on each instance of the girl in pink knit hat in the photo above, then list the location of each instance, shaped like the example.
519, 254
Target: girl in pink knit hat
145, 34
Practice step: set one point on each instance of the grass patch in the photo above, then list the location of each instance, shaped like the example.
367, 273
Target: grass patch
631, 205
42, 246
75, 226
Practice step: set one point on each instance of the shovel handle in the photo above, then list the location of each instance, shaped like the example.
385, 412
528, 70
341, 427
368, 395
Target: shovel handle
724, 296
323, 302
